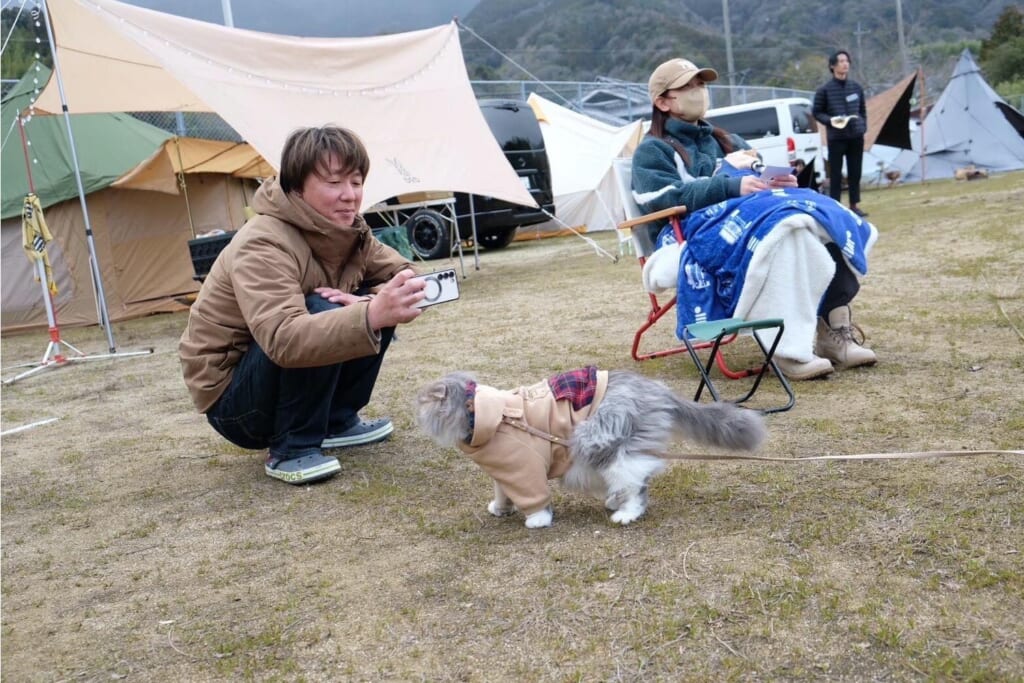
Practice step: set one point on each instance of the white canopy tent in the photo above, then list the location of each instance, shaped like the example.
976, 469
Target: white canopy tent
406, 95
580, 151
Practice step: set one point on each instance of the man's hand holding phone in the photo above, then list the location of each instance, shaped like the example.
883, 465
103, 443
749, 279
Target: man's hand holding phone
404, 296
440, 287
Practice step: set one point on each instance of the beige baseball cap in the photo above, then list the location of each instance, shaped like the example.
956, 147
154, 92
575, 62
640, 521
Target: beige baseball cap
675, 73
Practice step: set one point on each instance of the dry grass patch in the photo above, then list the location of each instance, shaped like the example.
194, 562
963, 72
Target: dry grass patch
137, 544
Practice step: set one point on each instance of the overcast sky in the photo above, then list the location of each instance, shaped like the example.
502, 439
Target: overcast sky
321, 18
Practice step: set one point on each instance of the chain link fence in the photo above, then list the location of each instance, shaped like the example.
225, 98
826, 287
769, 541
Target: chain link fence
190, 124
614, 102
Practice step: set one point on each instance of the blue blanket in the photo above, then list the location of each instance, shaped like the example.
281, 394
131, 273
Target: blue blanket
721, 238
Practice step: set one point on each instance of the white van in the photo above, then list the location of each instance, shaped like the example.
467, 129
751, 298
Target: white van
782, 130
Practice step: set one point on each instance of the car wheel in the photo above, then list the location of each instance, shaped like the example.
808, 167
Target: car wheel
498, 239
429, 235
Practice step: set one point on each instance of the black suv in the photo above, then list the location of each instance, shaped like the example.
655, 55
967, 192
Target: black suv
516, 129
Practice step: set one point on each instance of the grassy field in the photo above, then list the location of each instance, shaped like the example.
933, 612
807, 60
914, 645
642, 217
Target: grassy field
138, 545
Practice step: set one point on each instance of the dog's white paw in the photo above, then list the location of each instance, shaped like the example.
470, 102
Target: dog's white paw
498, 510
539, 519
629, 512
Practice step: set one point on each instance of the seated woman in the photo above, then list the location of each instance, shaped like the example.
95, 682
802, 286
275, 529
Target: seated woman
755, 247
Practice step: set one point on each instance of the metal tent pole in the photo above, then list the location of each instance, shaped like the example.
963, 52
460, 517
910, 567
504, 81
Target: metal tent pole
94, 264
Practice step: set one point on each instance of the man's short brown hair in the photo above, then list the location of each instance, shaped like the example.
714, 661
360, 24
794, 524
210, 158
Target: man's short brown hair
307, 151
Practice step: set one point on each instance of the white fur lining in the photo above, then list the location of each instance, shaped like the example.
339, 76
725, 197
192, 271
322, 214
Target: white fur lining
787, 276
661, 270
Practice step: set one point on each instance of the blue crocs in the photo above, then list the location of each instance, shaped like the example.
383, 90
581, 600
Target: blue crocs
304, 469
362, 432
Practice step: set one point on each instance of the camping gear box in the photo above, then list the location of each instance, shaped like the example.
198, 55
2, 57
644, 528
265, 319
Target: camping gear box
204, 251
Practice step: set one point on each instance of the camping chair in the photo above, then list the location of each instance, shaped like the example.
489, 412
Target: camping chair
712, 334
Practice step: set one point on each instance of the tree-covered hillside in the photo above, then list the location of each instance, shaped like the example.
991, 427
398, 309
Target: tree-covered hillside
784, 43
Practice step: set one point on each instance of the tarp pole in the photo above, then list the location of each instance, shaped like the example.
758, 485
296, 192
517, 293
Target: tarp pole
920, 79
184, 187
472, 223
101, 299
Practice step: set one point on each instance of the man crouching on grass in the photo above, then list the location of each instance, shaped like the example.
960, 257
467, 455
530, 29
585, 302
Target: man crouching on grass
284, 341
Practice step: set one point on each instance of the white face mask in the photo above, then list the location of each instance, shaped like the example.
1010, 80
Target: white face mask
692, 104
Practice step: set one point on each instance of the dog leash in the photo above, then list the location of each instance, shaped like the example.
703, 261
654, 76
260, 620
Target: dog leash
860, 456
520, 424
523, 425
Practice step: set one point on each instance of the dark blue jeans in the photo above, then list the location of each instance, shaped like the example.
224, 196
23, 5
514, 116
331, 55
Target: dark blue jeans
844, 285
291, 410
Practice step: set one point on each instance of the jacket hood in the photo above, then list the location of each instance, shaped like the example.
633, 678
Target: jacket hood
333, 244
489, 406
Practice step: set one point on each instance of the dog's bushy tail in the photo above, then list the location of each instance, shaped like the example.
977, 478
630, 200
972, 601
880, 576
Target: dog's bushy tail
721, 424
648, 410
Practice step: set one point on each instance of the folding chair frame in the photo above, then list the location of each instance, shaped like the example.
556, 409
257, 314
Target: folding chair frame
718, 332
659, 308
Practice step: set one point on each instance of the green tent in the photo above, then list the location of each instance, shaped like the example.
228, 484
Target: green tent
140, 234
108, 146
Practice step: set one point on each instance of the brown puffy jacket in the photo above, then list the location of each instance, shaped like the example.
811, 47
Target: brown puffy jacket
519, 461
256, 289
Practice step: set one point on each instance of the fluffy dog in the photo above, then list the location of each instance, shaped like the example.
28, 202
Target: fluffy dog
599, 432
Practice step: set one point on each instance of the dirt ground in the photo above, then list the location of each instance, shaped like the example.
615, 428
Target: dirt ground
138, 545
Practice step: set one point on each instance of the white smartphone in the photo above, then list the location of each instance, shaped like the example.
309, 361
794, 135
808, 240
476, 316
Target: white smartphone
442, 286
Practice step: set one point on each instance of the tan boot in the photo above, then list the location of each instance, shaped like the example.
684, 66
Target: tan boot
801, 370
839, 340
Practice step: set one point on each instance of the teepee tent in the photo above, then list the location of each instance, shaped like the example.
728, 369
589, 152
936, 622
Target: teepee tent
580, 151
889, 128
969, 125
889, 115
407, 95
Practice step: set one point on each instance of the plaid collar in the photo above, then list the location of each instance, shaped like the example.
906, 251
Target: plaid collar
470, 403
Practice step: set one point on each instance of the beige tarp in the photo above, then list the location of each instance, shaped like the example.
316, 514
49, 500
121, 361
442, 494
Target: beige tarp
407, 95
141, 242
194, 155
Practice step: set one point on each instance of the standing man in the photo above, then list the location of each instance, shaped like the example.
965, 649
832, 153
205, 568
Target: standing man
840, 106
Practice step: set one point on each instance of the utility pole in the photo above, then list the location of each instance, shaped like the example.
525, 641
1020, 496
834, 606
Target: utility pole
860, 53
899, 35
728, 50
225, 6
